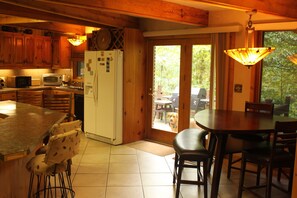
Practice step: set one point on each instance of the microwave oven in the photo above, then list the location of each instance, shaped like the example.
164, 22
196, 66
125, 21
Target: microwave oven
18, 81
52, 79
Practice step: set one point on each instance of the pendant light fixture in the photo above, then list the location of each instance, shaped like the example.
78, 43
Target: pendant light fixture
77, 40
293, 58
249, 56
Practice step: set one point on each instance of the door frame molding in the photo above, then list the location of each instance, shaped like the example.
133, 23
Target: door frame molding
185, 83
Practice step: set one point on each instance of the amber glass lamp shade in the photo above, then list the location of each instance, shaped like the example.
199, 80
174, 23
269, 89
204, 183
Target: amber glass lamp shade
78, 40
249, 56
293, 58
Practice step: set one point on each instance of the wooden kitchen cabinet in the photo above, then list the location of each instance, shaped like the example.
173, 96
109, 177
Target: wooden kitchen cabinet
6, 49
18, 49
23, 55
42, 52
29, 50
8, 96
61, 53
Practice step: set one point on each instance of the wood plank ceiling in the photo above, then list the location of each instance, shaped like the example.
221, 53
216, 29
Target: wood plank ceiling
126, 13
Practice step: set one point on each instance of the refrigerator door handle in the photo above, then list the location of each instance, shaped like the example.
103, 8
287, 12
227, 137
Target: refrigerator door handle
95, 87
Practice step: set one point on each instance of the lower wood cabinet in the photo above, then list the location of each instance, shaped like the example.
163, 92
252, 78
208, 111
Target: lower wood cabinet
8, 96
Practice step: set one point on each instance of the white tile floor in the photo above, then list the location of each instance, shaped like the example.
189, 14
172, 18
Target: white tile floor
104, 171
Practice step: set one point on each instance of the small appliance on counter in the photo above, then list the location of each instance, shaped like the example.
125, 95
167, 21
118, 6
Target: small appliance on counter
18, 81
65, 80
52, 79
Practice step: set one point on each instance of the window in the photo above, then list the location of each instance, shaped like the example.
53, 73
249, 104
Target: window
78, 68
279, 73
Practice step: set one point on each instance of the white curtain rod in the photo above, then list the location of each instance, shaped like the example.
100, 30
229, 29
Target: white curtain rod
206, 30
276, 26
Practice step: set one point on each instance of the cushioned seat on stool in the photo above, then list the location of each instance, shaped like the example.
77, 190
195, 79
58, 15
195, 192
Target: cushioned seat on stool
189, 146
46, 167
59, 129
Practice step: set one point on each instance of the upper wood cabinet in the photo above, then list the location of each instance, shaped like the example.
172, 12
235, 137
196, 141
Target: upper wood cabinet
61, 53
6, 49
43, 52
25, 51
29, 50
19, 49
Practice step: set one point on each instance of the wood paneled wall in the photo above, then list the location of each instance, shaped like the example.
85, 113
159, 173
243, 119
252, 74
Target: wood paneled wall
134, 86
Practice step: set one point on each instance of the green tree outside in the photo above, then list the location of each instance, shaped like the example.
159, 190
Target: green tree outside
279, 74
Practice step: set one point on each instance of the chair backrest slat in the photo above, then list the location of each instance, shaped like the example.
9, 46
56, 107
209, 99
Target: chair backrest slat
259, 107
30, 97
285, 135
59, 102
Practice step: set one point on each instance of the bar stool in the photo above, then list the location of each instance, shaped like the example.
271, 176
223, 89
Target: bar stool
189, 146
52, 168
58, 129
236, 143
279, 153
61, 101
30, 97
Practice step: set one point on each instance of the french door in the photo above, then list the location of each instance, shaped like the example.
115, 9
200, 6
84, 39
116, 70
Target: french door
178, 85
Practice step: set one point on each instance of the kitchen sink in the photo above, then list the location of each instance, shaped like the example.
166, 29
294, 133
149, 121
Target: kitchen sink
71, 87
76, 87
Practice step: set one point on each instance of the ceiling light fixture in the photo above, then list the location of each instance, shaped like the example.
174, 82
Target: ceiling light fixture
249, 56
293, 58
78, 40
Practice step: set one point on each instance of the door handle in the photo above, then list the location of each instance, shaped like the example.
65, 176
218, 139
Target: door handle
151, 92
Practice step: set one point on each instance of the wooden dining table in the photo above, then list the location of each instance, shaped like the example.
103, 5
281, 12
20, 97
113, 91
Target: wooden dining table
221, 123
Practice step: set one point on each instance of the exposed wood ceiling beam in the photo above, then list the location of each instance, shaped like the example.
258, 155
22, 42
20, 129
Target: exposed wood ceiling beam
285, 8
153, 9
61, 28
66, 14
5, 19
41, 24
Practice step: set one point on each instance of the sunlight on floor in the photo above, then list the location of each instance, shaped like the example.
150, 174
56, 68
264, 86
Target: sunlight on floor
104, 171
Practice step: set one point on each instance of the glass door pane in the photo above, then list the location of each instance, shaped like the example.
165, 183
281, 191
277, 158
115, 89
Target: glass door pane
200, 82
278, 84
166, 74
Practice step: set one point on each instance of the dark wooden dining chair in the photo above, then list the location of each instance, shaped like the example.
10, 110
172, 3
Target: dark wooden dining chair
280, 153
60, 102
189, 146
236, 143
30, 97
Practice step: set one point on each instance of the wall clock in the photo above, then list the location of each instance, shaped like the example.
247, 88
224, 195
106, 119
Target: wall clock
102, 39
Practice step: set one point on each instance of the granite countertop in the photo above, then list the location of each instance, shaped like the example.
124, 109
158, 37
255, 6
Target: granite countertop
69, 89
23, 127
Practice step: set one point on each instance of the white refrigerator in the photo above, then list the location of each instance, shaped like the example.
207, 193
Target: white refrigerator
103, 96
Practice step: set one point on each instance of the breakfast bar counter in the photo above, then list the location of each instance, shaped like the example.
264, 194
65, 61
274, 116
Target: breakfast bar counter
22, 129
36, 88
